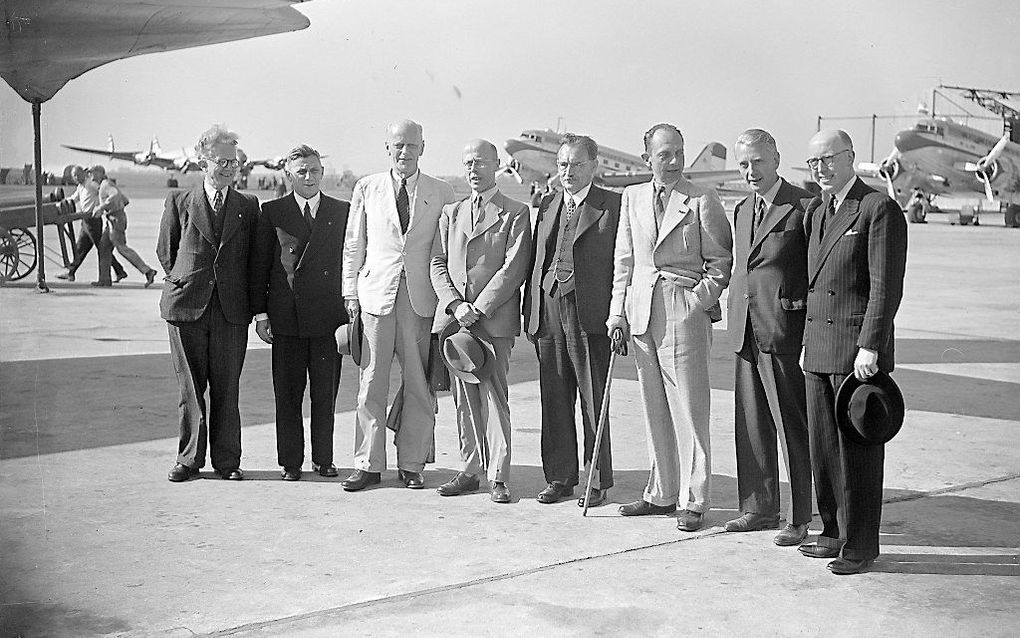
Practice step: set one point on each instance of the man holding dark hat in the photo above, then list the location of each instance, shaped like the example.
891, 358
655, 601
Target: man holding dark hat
480, 259
857, 250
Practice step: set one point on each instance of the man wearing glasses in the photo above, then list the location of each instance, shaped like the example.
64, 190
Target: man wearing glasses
857, 252
205, 236
566, 304
392, 223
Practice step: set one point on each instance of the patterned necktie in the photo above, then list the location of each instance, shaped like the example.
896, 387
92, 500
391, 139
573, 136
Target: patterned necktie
308, 215
660, 206
571, 207
759, 213
403, 206
476, 210
217, 202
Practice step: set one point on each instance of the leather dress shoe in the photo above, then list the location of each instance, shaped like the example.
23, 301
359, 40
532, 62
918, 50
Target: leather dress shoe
411, 480
596, 497
66, 274
752, 522
554, 492
233, 474
291, 474
690, 521
328, 470
119, 277
644, 508
499, 492
847, 566
460, 484
814, 550
101, 284
150, 278
791, 535
181, 472
359, 480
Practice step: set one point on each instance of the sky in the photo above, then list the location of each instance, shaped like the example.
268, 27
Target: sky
469, 69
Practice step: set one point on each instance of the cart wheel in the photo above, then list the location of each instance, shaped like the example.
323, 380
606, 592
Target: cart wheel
17, 253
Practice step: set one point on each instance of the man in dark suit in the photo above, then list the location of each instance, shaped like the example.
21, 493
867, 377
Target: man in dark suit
298, 306
767, 302
205, 237
566, 304
857, 253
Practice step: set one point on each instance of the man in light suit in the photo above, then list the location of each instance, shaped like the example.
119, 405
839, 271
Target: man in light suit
393, 222
566, 304
857, 254
204, 246
767, 303
480, 260
298, 306
671, 263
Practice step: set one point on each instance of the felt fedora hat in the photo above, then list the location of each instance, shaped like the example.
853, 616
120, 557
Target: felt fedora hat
349, 339
467, 352
869, 412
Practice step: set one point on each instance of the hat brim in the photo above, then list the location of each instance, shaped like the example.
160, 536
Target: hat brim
481, 336
842, 404
349, 343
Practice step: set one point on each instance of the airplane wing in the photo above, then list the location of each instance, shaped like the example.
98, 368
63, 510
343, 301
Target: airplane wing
121, 155
709, 178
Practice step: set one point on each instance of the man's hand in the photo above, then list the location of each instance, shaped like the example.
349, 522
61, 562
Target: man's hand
353, 308
263, 330
466, 314
866, 364
617, 322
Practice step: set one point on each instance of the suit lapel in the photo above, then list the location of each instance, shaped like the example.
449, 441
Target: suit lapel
744, 221
421, 200
463, 220
491, 213
390, 198
591, 211
847, 214
645, 208
200, 213
676, 211
322, 229
547, 226
231, 215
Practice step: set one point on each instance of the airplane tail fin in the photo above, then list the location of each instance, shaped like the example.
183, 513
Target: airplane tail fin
109, 142
711, 158
154, 148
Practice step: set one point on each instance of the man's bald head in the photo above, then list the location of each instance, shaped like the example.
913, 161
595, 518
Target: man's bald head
831, 159
481, 159
405, 143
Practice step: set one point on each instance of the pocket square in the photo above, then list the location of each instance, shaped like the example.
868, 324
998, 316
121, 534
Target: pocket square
851, 232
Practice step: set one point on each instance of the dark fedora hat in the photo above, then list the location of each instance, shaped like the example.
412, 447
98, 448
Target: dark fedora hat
467, 352
869, 412
349, 339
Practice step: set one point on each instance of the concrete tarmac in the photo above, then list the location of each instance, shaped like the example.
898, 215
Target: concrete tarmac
95, 541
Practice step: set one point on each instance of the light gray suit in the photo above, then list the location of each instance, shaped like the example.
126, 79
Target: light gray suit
664, 279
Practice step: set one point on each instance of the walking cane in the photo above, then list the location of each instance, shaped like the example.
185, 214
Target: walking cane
618, 346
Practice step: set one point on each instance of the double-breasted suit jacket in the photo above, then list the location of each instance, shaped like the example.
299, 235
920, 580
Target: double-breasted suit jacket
766, 306
856, 264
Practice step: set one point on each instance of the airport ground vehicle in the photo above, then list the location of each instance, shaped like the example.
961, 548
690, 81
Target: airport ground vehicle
18, 242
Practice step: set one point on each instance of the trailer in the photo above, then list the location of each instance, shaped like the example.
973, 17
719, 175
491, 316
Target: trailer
18, 242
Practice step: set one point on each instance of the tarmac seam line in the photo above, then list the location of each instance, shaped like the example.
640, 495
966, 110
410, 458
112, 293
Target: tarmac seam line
397, 598
949, 489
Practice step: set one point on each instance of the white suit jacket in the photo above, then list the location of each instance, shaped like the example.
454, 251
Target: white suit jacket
376, 252
694, 247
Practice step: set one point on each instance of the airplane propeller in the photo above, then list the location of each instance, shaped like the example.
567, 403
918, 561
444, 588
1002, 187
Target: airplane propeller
887, 170
987, 168
511, 168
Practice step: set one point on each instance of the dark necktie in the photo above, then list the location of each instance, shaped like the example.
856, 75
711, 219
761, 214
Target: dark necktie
571, 207
308, 215
759, 213
476, 210
217, 204
403, 206
830, 212
660, 206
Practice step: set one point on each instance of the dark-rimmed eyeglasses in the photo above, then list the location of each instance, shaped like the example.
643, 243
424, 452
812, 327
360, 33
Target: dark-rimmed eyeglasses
829, 160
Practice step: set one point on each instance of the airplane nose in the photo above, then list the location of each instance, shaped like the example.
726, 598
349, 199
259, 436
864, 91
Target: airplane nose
513, 145
910, 140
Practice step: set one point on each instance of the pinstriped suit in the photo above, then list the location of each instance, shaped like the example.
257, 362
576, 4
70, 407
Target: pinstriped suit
855, 283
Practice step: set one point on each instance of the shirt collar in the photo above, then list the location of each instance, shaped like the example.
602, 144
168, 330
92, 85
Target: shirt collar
210, 192
578, 197
412, 181
770, 195
313, 202
841, 194
487, 195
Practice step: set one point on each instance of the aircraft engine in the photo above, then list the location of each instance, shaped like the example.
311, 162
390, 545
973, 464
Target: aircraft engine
889, 170
143, 159
987, 168
181, 164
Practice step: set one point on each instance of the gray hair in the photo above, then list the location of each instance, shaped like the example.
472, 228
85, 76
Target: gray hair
584, 142
217, 134
757, 137
662, 126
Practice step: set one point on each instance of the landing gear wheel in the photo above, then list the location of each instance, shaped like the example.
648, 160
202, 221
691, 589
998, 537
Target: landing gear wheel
966, 214
915, 214
17, 253
1012, 216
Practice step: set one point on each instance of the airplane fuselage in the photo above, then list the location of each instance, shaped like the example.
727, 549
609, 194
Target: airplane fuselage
535, 152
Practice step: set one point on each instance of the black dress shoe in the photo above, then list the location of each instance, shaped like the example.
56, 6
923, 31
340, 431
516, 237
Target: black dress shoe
233, 474
150, 277
291, 474
752, 522
412, 480
499, 492
460, 484
328, 470
847, 566
690, 521
359, 480
181, 472
644, 508
554, 492
119, 277
791, 535
596, 497
814, 550
101, 284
